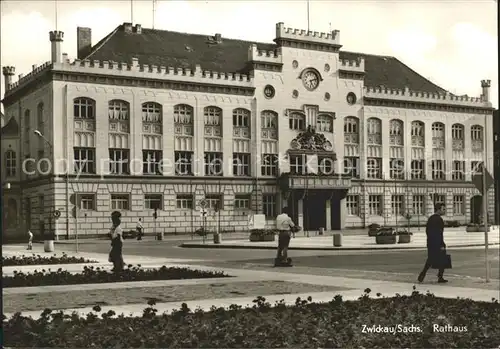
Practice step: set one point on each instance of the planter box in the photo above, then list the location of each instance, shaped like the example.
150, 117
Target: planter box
386, 239
257, 237
254, 237
373, 231
268, 237
404, 239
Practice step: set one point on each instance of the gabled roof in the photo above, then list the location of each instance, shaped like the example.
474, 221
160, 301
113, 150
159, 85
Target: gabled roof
168, 48
11, 128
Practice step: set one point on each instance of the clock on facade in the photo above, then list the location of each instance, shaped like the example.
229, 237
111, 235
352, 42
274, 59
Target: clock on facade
269, 91
310, 79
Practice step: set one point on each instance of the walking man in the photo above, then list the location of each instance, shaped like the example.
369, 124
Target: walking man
116, 253
436, 248
30, 240
284, 224
140, 229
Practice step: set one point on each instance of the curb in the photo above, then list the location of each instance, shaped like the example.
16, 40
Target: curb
241, 247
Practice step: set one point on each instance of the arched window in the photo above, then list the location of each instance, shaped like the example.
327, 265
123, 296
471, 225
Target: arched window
351, 130
183, 114
10, 163
213, 121
457, 132
476, 133
396, 131
241, 117
374, 131
438, 129
324, 123
84, 108
269, 124
118, 110
417, 129
39, 116
27, 120
151, 112
297, 121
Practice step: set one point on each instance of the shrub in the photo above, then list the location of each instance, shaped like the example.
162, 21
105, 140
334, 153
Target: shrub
37, 259
337, 324
91, 275
385, 231
262, 232
403, 232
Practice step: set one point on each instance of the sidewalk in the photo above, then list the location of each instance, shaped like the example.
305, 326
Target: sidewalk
452, 237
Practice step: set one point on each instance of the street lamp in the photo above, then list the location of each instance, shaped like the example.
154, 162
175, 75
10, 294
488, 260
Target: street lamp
39, 134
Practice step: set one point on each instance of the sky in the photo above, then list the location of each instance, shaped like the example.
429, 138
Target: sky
453, 43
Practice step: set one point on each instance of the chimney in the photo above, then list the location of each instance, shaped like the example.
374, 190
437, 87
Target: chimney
83, 42
56, 37
218, 38
486, 84
138, 29
8, 73
127, 27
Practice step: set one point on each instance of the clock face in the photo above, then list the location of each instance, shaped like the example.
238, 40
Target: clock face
310, 80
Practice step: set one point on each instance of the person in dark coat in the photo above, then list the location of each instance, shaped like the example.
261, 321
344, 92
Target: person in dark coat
116, 253
436, 247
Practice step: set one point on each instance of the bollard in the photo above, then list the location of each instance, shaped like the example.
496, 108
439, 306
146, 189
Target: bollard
159, 236
337, 240
48, 245
217, 238
321, 231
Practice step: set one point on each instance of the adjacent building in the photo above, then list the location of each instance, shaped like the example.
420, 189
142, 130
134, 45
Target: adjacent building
152, 119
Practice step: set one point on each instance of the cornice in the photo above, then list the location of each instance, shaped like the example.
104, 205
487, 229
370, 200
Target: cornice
313, 46
417, 105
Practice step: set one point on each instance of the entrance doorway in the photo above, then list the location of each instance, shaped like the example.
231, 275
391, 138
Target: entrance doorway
314, 211
476, 209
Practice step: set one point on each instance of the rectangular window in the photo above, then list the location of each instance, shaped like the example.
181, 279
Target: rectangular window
418, 205
10, 163
269, 165
214, 202
87, 202
152, 201
120, 201
84, 160
325, 165
418, 169
242, 202
241, 164
374, 168
352, 205
476, 167
439, 199
351, 166
184, 201
213, 164
458, 173
269, 205
458, 205
397, 205
438, 167
297, 164
151, 161
119, 161
183, 163
397, 168
375, 205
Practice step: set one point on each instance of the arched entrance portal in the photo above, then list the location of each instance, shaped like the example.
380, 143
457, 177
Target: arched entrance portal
476, 208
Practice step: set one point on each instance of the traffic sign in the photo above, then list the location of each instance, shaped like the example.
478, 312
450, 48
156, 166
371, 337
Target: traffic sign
203, 212
477, 180
203, 203
57, 213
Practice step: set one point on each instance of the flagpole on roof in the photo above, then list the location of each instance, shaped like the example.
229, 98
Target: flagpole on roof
132, 11
55, 5
307, 15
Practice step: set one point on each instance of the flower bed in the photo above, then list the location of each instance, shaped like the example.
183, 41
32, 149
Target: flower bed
42, 260
262, 235
404, 236
91, 275
373, 229
366, 323
386, 236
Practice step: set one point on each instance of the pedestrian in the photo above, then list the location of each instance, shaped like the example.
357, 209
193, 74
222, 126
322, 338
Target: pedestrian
285, 226
116, 253
139, 229
30, 240
436, 248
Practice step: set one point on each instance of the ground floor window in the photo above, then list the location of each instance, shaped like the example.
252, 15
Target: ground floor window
418, 205
152, 201
352, 205
458, 205
120, 201
214, 202
397, 205
269, 205
242, 202
87, 202
184, 201
375, 205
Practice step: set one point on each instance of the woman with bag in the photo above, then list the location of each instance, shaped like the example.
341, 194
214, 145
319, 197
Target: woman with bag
116, 253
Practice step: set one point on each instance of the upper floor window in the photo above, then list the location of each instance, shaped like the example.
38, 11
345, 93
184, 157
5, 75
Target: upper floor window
183, 114
39, 116
84, 108
417, 129
27, 121
374, 130
151, 112
396, 130
438, 130
324, 123
118, 110
476, 133
241, 117
269, 119
297, 122
213, 116
457, 131
10, 163
351, 125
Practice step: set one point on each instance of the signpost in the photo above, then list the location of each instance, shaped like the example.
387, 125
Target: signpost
483, 181
203, 215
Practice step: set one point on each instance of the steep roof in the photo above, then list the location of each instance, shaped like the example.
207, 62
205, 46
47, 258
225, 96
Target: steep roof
168, 48
11, 128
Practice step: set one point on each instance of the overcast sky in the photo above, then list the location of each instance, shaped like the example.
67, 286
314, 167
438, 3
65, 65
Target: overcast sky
453, 43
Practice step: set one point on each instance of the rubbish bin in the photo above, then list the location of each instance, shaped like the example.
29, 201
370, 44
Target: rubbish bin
337, 240
321, 231
159, 236
48, 245
217, 238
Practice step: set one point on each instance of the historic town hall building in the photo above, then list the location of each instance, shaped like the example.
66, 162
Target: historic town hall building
152, 118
